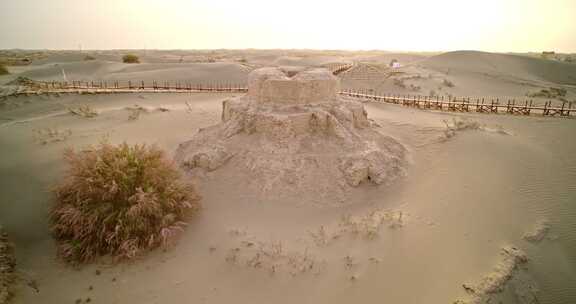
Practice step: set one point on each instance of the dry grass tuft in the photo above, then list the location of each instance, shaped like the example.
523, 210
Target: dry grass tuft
448, 83
83, 111
50, 135
3, 70
130, 58
119, 200
135, 111
557, 93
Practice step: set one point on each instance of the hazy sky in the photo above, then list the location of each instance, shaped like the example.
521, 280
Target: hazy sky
414, 25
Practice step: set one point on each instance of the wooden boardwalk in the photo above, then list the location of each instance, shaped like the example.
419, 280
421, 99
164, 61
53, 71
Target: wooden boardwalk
480, 105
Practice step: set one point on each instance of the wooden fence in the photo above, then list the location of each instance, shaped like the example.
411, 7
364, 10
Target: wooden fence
338, 68
130, 86
480, 104
462, 104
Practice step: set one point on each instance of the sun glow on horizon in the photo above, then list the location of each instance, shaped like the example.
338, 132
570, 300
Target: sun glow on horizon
410, 25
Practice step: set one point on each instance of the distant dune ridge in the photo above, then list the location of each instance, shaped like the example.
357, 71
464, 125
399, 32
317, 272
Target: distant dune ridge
105, 70
504, 65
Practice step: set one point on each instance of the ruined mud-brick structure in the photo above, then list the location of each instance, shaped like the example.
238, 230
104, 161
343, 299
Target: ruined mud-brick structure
292, 135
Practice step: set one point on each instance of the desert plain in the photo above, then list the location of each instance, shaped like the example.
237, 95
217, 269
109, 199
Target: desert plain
483, 213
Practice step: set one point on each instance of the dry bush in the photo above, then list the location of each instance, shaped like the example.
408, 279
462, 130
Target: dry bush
51, 135
130, 58
7, 267
448, 83
119, 200
549, 93
83, 111
135, 111
461, 124
399, 82
89, 58
3, 70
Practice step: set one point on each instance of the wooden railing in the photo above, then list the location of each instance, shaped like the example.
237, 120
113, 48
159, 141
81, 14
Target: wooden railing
479, 104
131, 86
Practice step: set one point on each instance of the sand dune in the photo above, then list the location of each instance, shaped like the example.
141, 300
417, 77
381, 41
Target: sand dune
76, 70
403, 58
306, 61
105, 70
521, 67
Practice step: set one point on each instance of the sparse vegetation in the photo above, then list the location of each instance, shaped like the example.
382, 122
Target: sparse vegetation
448, 83
399, 82
88, 58
83, 111
459, 124
51, 135
3, 70
559, 93
135, 111
7, 267
130, 58
119, 200
414, 88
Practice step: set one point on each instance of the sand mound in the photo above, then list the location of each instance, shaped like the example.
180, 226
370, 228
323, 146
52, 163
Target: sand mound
291, 135
7, 264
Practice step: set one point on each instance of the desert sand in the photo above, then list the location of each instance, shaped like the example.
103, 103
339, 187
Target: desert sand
483, 212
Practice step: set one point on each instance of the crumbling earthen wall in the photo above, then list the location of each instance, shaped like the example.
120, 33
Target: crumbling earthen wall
292, 134
273, 85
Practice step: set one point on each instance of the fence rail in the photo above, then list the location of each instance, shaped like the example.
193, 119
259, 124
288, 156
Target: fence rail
480, 105
116, 85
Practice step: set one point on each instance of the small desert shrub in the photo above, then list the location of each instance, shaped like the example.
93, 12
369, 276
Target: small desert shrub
414, 88
83, 111
51, 135
119, 200
399, 82
89, 58
130, 58
3, 70
448, 83
549, 93
7, 267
